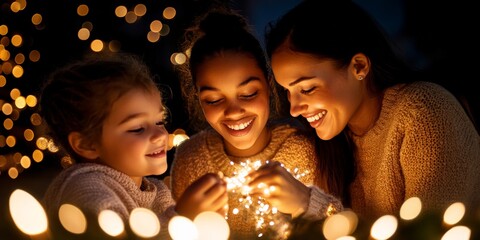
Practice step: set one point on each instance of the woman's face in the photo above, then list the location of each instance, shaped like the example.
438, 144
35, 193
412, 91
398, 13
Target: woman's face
326, 96
234, 96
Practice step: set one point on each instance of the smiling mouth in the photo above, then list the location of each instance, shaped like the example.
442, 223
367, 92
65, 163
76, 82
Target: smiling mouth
241, 126
156, 153
316, 117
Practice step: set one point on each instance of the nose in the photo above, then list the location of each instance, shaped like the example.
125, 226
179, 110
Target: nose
297, 106
233, 109
160, 133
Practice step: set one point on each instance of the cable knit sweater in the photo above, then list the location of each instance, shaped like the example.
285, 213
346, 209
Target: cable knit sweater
423, 145
204, 153
94, 187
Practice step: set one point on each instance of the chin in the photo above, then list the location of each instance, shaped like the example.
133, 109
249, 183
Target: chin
323, 135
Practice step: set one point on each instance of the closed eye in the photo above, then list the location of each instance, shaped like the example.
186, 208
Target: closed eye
137, 130
250, 95
213, 102
307, 91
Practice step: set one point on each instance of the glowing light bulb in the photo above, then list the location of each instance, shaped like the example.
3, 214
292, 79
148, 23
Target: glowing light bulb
27, 213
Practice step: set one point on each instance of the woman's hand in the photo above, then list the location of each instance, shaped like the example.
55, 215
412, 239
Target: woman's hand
208, 193
278, 186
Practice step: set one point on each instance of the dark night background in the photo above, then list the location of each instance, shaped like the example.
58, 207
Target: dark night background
437, 36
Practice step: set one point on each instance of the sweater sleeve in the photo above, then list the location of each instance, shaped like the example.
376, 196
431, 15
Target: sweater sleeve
440, 150
321, 205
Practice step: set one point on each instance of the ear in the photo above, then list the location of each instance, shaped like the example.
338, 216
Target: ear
82, 147
361, 66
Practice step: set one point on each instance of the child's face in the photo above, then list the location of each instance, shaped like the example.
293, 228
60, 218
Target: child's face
234, 96
134, 138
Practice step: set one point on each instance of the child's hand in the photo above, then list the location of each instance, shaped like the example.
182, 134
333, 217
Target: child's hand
208, 193
280, 188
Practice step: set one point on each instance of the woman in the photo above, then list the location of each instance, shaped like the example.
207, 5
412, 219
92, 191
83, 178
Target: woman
409, 138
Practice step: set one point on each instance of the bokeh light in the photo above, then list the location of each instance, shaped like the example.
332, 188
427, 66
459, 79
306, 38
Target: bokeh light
27, 213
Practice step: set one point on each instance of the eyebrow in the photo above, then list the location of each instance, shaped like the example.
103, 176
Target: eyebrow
299, 80
135, 115
247, 81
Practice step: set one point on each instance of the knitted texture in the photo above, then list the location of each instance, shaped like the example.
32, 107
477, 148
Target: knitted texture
423, 145
94, 187
204, 153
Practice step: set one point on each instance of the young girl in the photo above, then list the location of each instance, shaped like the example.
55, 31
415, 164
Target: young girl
227, 84
107, 113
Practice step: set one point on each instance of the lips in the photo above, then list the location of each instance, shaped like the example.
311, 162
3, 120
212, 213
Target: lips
157, 154
316, 119
239, 128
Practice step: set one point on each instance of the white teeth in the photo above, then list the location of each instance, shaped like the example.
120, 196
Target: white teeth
240, 126
316, 117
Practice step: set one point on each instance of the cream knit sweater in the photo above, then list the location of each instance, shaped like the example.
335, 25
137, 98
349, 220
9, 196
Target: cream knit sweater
204, 153
94, 187
423, 145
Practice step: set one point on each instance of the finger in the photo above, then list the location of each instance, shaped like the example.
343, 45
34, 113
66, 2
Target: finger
264, 169
204, 183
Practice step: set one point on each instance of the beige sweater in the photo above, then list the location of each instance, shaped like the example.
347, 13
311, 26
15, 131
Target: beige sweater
94, 187
423, 145
204, 153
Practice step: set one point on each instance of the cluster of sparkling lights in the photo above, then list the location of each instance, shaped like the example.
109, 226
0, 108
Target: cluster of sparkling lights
267, 218
30, 218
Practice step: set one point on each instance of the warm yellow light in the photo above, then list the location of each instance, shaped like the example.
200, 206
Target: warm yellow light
8, 124
111, 223
37, 155
144, 223
169, 12
27, 213
31, 100
340, 224
211, 226
178, 58
121, 11
7, 108
411, 208
3, 29
384, 227
25, 162
82, 10
183, 228
17, 40
72, 219
96, 45
156, 26
457, 233
454, 213
28, 134
37, 19
83, 34
140, 10
20, 102
153, 36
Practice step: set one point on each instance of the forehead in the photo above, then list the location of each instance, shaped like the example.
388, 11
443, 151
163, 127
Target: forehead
229, 68
137, 100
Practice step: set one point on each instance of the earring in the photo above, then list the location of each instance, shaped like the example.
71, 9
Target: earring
360, 77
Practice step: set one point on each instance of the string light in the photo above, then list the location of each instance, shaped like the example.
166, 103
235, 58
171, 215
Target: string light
267, 218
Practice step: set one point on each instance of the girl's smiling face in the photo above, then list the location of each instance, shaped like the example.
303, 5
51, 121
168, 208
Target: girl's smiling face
134, 139
234, 95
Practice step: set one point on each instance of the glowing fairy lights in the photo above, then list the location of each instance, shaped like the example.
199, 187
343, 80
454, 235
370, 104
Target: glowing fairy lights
268, 220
